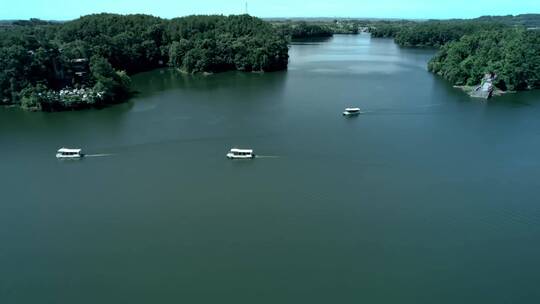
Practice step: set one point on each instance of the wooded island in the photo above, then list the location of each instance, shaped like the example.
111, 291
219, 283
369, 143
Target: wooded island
86, 62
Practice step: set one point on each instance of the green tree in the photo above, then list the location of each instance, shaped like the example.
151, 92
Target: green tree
86, 55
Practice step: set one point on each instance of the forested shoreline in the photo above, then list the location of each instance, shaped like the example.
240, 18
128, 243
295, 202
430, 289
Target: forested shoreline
506, 47
87, 62
512, 55
302, 30
433, 33
54, 66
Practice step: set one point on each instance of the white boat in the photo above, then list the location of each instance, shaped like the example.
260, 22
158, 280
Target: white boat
351, 111
241, 154
65, 153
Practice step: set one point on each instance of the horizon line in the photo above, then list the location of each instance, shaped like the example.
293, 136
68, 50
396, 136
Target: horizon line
281, 17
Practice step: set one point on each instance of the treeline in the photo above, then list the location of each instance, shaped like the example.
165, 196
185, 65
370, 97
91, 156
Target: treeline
302, 30
384, 30
525, 20
296, 29
387, 29
439, 33
470, 49
430, 33
345, 27
512, 54
81, 63
436, 33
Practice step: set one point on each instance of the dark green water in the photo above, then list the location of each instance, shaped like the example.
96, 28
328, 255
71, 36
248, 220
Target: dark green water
428, 197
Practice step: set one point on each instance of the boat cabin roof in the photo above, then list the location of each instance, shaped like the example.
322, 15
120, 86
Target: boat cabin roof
66, 150
234, 150
352, 109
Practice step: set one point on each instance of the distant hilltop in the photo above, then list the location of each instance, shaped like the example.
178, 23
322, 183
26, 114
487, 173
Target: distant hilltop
31, 22
331, 19
526, 20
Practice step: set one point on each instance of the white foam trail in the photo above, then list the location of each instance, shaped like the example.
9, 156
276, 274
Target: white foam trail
396, 110
97, 155
267, 156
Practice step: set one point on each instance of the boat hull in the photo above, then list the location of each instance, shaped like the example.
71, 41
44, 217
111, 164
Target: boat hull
60, 156
233, 156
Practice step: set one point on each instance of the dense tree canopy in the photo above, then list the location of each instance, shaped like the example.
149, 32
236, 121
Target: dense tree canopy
436, 33
77, 64
387, 29
524, 20
300, 30
512, 54
429, 33
469, 49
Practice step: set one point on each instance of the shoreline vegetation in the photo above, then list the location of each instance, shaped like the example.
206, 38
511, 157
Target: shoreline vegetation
86, 63
505, 47
511, 55
303, 30
297, 30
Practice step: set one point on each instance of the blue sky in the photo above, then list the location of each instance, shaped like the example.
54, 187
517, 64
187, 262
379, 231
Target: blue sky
422, 9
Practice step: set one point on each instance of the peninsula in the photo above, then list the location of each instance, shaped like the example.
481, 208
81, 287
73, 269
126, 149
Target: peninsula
46, 66
506, 47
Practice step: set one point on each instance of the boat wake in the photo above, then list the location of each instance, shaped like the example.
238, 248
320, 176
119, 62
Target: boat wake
401, 110
267, 156
98, 155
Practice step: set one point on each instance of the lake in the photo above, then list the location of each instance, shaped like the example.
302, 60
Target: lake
427, 197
